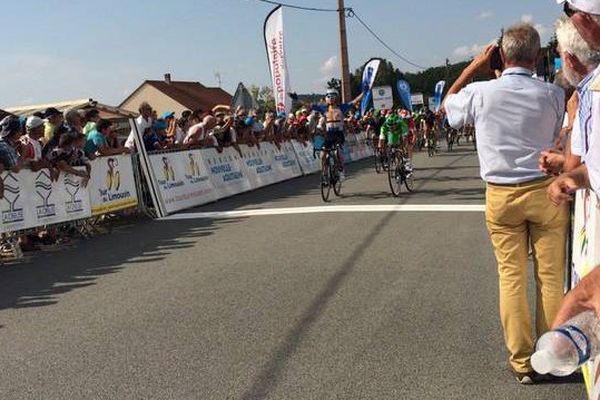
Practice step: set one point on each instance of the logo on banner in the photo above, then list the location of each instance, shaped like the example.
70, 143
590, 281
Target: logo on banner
113, 183
12, 192
168, 172
43, 188
113, 176
193, 173
169, 179
224, 169
72, 186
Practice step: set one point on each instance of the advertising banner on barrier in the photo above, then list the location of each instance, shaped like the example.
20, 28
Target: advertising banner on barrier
227, 172
285, 163
259, 165
112, 184
183, 180
309, 162
32, 199
586, 256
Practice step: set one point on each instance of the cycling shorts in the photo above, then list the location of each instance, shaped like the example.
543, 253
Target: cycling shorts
334, 137
391, 138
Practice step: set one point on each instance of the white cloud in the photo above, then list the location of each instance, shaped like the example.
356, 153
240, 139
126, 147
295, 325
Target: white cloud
330, 66
527, 18
485, 15
468, 50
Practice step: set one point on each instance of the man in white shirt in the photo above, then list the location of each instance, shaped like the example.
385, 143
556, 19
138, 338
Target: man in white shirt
144, 124
516, 117
199, 133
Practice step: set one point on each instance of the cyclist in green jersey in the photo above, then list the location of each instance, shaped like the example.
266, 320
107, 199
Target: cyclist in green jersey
393, 132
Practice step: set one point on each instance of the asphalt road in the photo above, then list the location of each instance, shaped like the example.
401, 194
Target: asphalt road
390, 305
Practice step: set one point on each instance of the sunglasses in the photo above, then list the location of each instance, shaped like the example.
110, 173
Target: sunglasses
569, 11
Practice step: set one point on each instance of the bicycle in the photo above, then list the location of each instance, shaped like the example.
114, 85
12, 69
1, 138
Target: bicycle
330, 174
451, 136
398, 173
431, 145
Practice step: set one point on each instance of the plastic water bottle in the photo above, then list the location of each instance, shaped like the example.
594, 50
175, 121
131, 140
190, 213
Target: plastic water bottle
561, 351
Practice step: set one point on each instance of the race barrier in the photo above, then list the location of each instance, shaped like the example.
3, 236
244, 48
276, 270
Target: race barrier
189, 178
32, 199
112, 184
585, 257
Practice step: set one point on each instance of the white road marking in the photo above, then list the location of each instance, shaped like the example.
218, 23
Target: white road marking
329, 209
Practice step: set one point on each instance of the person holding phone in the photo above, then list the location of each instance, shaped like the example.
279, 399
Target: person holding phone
516, 117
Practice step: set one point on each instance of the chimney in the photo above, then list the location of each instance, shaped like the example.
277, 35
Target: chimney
168, 78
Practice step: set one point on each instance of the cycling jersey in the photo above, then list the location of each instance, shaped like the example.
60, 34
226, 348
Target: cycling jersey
393, 130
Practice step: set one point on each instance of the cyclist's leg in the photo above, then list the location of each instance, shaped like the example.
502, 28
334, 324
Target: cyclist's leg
340, 156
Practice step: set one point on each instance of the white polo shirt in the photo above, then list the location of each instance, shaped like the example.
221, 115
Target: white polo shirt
142, 125
515, 118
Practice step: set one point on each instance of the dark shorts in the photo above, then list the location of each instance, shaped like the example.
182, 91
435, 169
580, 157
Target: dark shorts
332, 138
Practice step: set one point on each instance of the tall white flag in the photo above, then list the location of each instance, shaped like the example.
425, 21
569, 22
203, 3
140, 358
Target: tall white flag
277, 60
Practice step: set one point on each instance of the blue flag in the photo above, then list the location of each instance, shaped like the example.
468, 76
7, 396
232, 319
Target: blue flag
369, 74
404, 92
439, 89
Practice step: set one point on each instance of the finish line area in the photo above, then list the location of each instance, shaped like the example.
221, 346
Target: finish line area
329, 209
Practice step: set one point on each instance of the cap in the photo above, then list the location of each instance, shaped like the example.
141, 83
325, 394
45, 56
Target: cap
167, 115
50, 112
9, 125
34, 122
587, 6
160, 124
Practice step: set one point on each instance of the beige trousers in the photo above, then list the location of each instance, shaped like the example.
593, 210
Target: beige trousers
515, 217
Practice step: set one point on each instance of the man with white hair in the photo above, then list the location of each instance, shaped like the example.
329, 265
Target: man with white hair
578, 61
516, 117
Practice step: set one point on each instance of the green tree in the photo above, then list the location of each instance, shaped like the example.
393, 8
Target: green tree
263, 95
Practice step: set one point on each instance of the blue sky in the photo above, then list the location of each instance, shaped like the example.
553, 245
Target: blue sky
59, 50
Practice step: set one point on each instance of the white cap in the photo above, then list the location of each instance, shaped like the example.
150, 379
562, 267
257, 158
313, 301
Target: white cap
587, 6
34, 122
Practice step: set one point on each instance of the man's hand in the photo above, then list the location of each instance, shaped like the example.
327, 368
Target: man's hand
586, 296
551, 162
562, 189
481, 63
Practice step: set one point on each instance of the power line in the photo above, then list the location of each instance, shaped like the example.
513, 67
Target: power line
351, 14
299, 7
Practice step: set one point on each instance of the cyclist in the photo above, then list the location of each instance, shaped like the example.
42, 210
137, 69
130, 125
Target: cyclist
393, 132
334, 112
411, 138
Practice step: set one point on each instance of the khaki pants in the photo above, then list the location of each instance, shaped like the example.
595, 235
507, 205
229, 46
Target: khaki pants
516, 216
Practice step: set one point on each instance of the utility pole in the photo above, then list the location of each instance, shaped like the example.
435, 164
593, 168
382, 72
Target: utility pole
346, 90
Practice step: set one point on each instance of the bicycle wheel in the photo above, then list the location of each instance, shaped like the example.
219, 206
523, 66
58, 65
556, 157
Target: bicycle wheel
394, 175
408, 178
378, 164
325, 181
430, 148
336, 182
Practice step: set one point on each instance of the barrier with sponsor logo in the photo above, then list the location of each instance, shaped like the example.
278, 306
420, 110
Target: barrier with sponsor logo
182, 179
33, 199
585, 257
112, 184
309, 162
227, 172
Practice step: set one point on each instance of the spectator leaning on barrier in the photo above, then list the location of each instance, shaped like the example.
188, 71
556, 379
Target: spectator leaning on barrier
585, 14
578, 60
516, 117
10, 131
143, 122
65, 156
97, 141
91, 116
53, 119
30, 148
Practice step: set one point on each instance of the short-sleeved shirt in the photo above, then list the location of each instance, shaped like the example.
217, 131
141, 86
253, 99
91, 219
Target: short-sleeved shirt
8, 155
516, 117
89, 127
142, 125
589, 127
49, 130
31, 149
95, 140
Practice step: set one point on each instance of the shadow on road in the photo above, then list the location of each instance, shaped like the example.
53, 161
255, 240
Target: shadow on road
40, 281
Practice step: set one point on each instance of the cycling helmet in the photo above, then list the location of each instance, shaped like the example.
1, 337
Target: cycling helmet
332, 94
